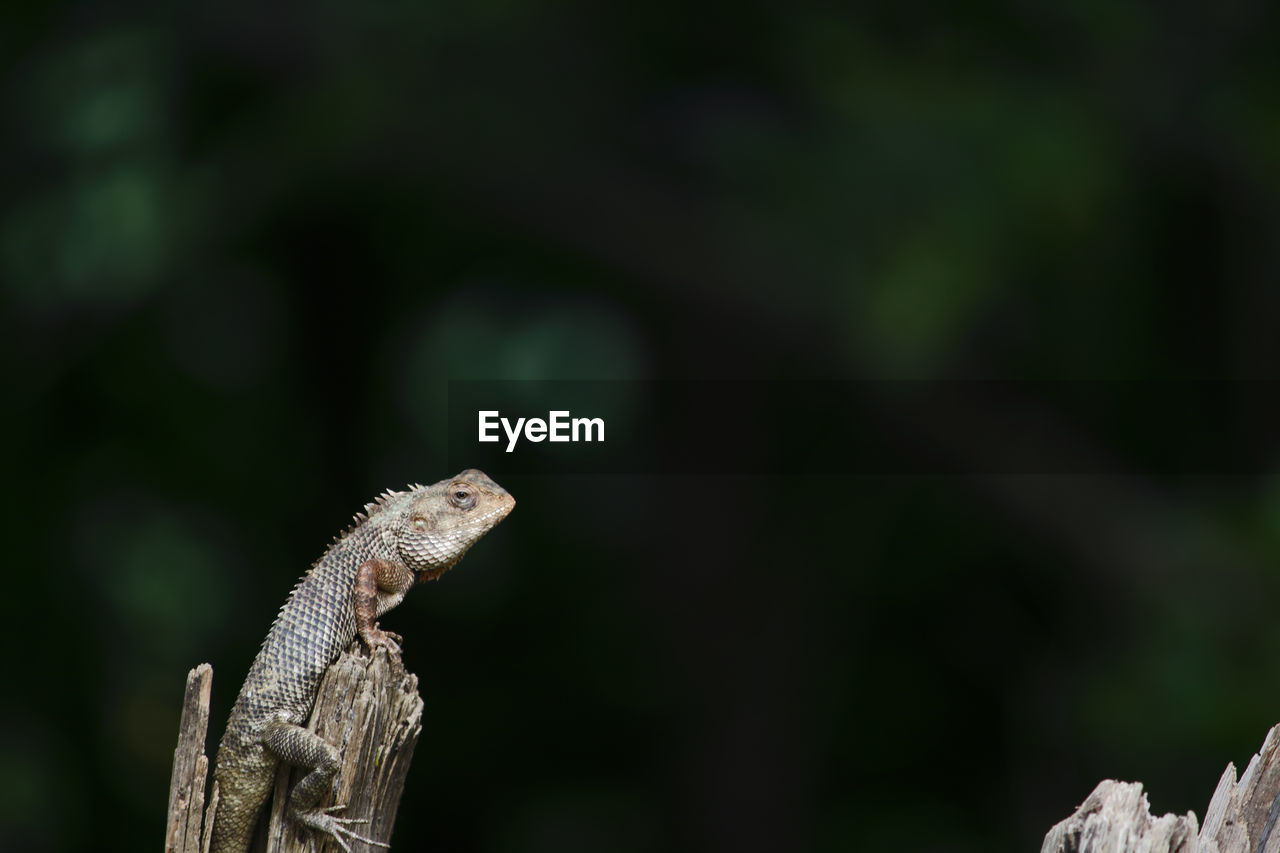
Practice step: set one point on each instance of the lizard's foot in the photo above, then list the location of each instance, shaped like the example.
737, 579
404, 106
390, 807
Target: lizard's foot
320, 820
375, 637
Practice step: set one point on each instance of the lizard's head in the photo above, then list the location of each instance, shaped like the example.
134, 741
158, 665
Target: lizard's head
445, 519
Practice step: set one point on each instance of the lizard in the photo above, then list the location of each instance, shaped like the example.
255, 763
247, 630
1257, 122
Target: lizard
402, 538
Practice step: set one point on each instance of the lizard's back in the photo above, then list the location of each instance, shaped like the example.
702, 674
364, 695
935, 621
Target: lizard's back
401, 539
313, 627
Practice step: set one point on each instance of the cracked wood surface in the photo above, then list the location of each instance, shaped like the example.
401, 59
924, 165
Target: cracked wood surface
369, 708
1242, 816
190, 766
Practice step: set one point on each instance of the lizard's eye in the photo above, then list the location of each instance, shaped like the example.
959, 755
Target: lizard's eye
462, 497
419, 525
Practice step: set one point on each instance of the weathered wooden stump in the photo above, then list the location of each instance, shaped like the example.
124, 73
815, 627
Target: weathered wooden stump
369, 708
1241, 817
190, 766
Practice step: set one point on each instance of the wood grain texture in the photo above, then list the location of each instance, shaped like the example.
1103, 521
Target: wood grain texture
1243, 816
1115, 818
190, 766
369, 708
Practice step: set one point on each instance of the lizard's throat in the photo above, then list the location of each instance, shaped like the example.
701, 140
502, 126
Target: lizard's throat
432, 574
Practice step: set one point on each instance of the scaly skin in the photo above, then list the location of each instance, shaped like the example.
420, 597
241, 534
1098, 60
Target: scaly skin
401, 539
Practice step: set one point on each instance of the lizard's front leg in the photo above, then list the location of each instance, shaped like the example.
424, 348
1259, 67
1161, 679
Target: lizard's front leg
303, 748
372, 577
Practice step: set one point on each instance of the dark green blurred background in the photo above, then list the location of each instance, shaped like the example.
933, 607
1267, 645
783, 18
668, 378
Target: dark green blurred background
244, 246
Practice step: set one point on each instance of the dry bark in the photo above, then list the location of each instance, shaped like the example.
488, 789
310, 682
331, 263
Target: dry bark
1115, 818
371, 711
1241, 817
368, 708
190, 766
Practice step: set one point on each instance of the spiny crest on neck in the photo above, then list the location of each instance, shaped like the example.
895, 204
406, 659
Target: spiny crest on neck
374, 507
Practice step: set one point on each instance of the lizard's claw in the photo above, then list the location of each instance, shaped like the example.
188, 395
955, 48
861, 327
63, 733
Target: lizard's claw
321, 820
375, 637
